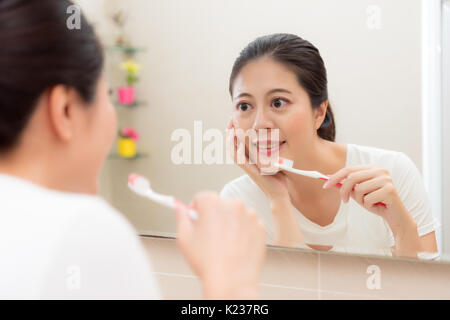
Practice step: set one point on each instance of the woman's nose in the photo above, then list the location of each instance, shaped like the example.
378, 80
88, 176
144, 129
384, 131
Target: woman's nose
262, 120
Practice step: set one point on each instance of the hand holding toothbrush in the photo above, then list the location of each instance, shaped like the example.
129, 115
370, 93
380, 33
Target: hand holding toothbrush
222, 240
368, 186
225, 246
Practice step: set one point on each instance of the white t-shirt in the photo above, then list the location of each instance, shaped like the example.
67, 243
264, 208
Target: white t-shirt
58, 245
354, 229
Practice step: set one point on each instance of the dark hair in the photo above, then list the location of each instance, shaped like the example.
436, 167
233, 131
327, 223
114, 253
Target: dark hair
303, 59
37, 52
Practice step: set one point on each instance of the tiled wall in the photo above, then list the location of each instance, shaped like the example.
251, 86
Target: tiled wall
300, 274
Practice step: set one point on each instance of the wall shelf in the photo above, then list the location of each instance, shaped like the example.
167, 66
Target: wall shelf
139, 155
127, 50
131, 106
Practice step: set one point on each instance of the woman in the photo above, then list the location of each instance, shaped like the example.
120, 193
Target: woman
57, 238
279, 83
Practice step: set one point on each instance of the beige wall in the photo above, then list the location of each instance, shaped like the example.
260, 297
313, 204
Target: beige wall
299, 274
374, 80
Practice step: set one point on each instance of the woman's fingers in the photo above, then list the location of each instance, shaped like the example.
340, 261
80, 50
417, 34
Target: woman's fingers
367, 187
230, 143
356, 177
251, 168
230, 123
364, 184
203, 202
240, 155
225, 234
336, 178
370, 200
184, 225
234, 147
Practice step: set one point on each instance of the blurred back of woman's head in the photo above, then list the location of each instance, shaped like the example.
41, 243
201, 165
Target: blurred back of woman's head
37, 52
56, 120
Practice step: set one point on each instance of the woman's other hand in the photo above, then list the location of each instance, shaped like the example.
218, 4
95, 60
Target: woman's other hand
273, 186
372, 188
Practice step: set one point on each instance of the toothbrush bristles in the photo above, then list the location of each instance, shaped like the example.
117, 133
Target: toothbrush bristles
138, 181
132, 178
286, 162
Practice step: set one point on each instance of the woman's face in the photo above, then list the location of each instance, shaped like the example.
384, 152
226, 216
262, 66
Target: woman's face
267, 95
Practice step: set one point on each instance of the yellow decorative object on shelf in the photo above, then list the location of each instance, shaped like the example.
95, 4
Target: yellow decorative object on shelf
126, 147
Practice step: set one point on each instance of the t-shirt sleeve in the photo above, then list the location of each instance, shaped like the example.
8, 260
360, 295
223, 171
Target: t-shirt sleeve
229, 192
100, 257
411, 189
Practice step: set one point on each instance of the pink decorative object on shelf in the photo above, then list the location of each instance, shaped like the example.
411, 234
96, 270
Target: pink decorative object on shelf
125, 95
129, 132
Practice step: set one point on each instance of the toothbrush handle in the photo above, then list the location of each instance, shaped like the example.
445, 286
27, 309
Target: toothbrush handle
192, 213
378, 204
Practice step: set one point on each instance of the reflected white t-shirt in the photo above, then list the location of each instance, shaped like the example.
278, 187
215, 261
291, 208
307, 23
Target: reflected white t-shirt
58, 245
354, 229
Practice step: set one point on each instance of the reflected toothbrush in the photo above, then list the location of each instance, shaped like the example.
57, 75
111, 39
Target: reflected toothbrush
141, 186
287, 165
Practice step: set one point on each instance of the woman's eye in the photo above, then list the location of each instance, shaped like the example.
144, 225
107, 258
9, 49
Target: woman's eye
243, 106
278, 103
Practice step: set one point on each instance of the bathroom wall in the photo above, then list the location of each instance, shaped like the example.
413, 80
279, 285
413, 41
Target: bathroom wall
374, 80
298, 274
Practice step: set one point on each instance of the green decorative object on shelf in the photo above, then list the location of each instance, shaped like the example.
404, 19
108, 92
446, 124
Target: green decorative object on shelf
127, 50
133, 105
139, 155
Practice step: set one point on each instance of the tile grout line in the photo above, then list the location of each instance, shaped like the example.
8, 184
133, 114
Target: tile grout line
175, 275
169, 274
322, 291
319, 290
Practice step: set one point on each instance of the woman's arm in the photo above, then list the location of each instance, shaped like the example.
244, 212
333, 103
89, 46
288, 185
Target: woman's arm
404, 229
427, 244
287, 231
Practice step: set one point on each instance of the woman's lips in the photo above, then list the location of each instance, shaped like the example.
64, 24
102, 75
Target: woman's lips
269, 147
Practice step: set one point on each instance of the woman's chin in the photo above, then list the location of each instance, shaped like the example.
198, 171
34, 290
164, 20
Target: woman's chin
266, 161
267, 166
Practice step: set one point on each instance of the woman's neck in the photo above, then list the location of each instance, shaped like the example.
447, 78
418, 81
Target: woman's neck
44, 170
324, 156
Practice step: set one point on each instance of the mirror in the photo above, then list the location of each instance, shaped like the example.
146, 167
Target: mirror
169, 65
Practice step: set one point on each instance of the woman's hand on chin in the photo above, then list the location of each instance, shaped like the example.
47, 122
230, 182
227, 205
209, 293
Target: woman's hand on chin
286, 228
273, 186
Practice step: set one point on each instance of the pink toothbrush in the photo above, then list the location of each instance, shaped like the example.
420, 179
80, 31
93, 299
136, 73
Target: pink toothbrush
287, 165
141, 186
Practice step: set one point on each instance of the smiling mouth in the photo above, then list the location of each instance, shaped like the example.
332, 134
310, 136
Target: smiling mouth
268, 147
